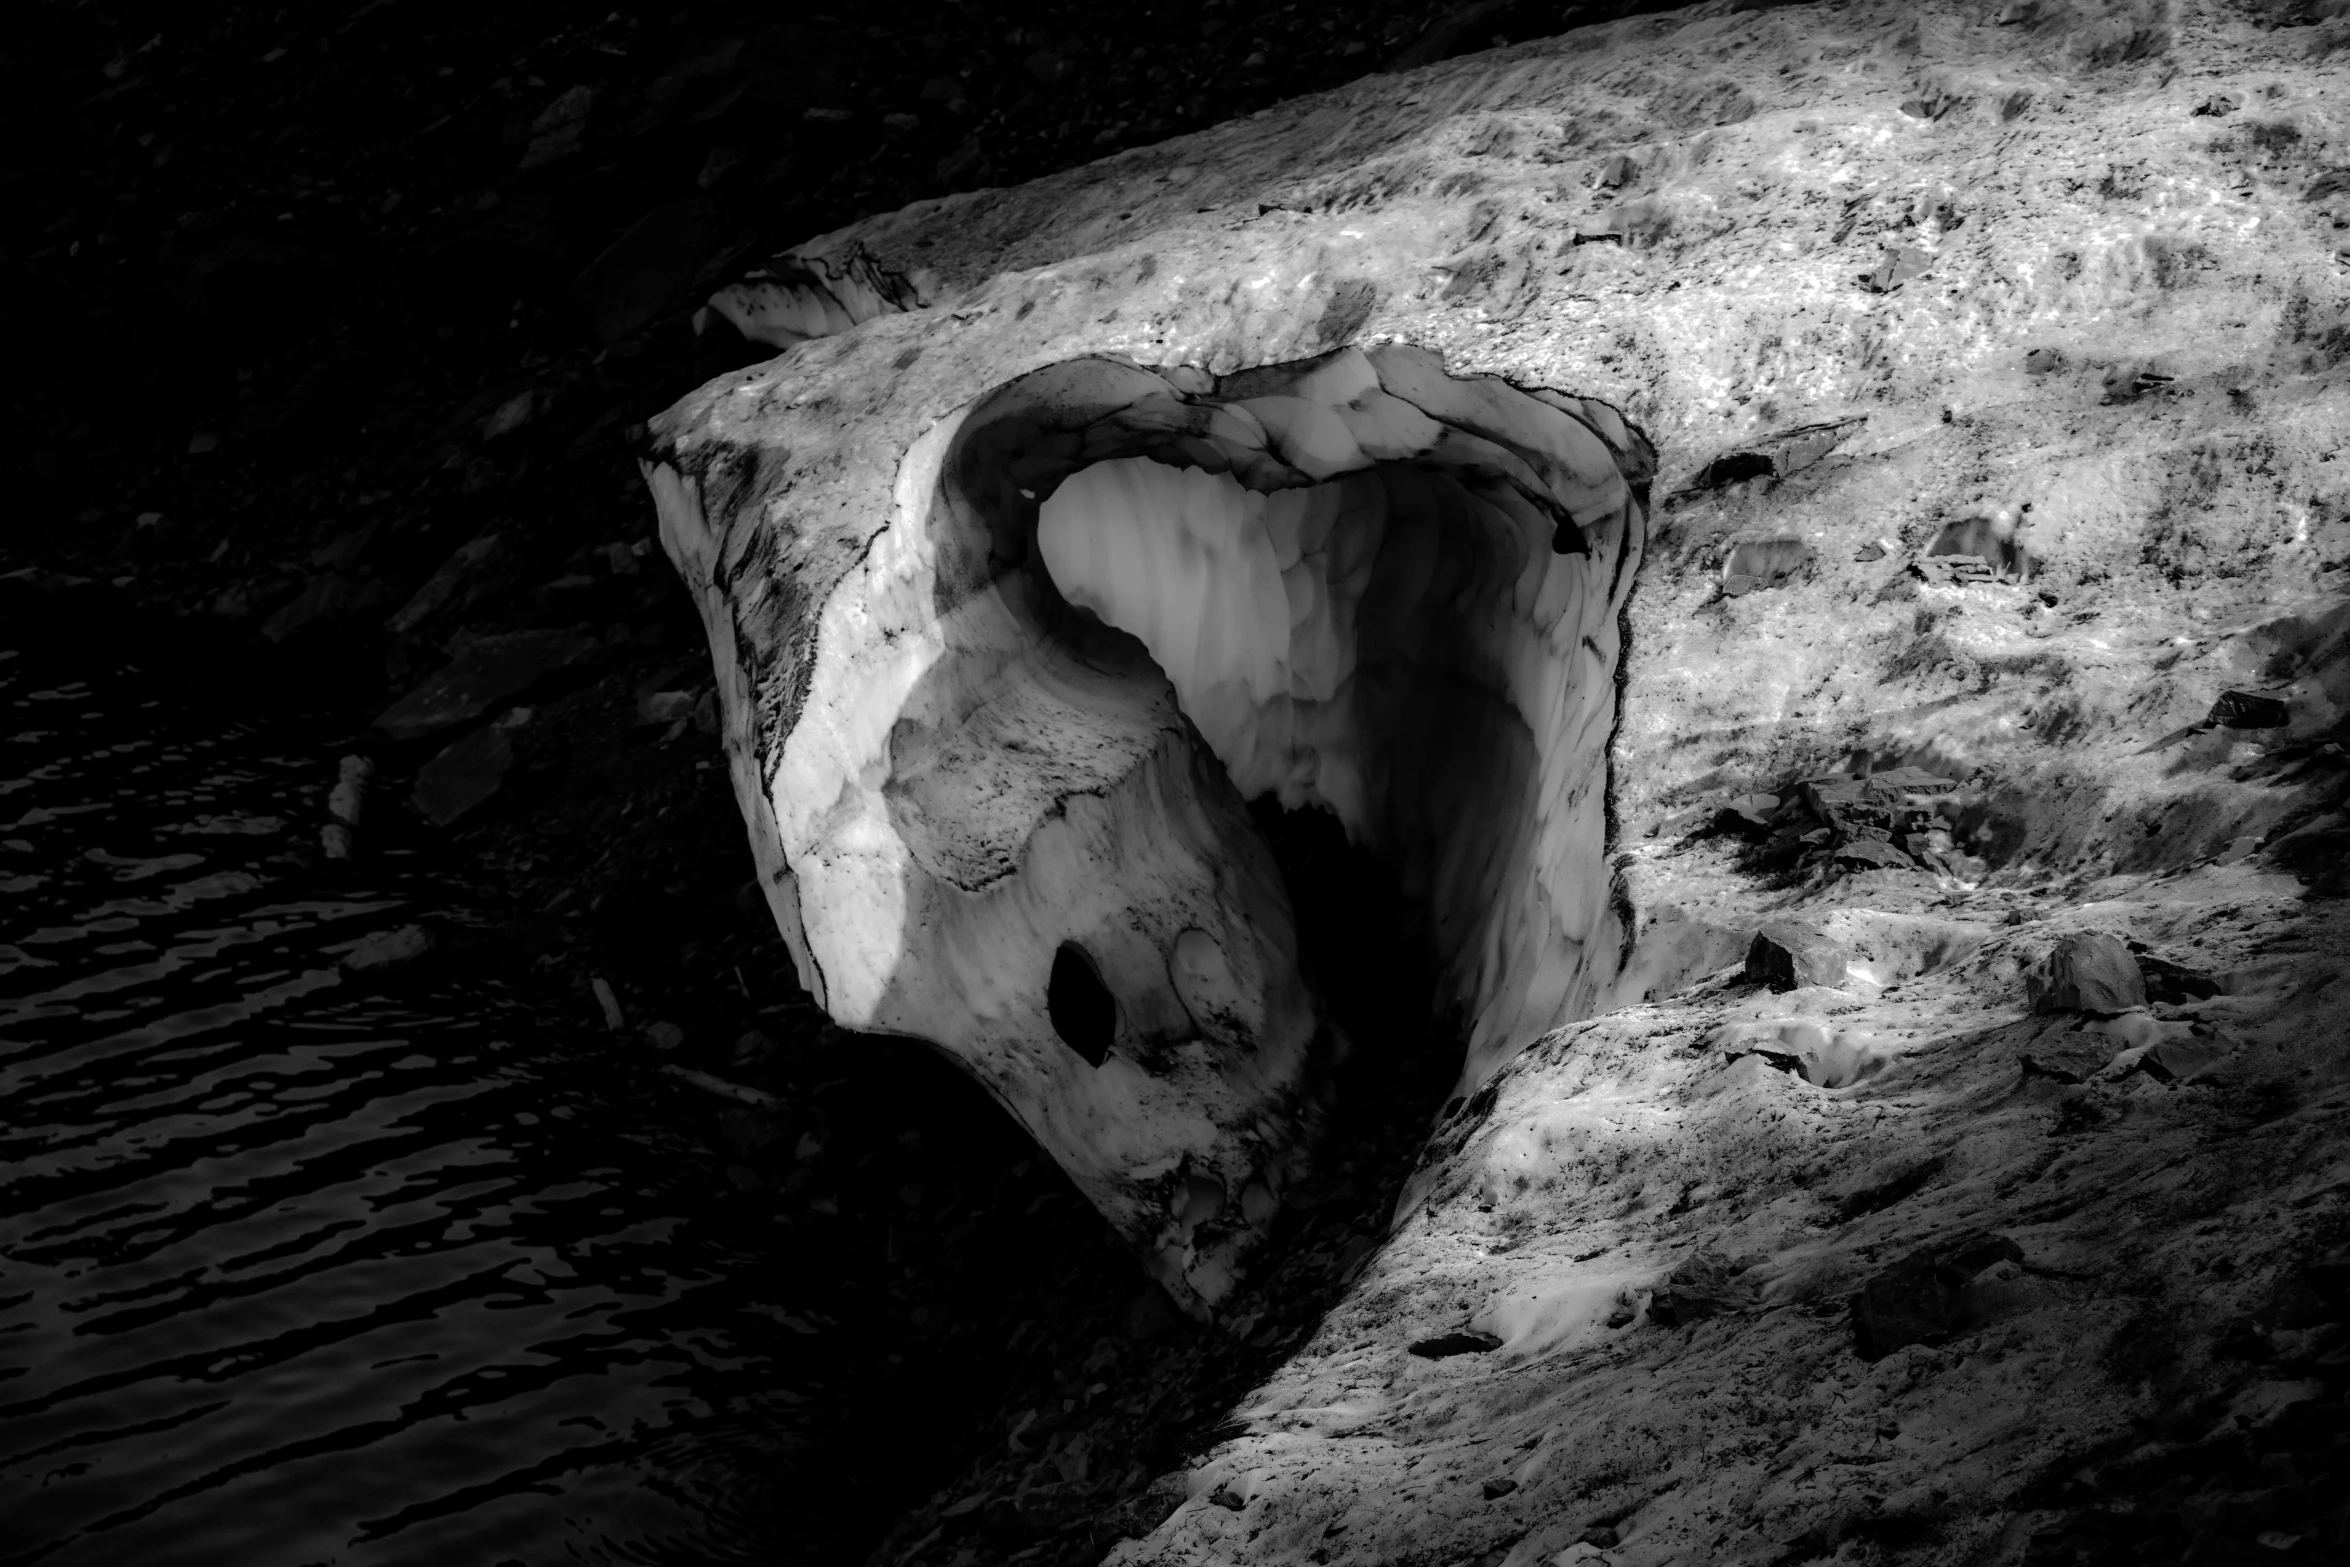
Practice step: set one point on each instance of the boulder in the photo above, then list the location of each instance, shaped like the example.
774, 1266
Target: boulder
2249, 710
460, 580
463, 776
324, 601
1788, 955
1706, 1285
486, 672
2087, 971
1922, 1298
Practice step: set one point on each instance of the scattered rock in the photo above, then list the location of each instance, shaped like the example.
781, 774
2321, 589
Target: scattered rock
463, 776
664, 1036
1495, 1490
1705, 1285
1787, 955
2043, 361
488, 671
2088, 971
1922, 1298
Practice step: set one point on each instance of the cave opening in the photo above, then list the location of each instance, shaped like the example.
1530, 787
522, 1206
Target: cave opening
1195, 733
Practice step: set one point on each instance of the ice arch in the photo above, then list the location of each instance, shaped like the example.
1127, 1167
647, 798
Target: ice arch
994, 748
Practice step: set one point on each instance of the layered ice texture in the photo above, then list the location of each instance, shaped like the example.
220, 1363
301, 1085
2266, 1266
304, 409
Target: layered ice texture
1405, 650
994, 733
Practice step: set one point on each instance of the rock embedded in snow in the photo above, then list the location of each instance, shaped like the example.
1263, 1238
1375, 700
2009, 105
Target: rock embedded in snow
2087, 971
2249, 710
1787, 955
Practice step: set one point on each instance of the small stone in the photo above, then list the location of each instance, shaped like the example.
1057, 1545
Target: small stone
1746, 813
1786, 955
1495, 1490
463, 776
609, 1002
664, 1036
389, 949
2043, 361
2248, 710
2089, 971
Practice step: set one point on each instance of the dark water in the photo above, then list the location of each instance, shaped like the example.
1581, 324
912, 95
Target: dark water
296, 1268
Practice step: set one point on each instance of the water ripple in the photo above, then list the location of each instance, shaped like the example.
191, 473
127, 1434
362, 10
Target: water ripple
295, 1270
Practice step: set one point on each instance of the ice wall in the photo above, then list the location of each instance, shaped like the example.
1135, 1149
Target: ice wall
1403, 649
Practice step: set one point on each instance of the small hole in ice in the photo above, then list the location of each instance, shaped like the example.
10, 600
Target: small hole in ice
1083, 1011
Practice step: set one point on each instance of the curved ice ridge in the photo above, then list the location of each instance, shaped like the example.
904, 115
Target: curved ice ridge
1021, 713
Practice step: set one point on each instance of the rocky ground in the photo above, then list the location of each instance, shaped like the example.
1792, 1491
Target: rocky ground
328, 308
